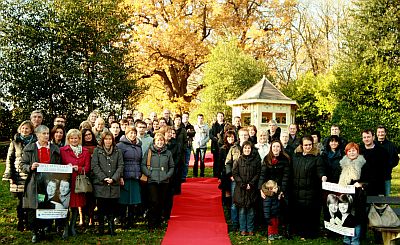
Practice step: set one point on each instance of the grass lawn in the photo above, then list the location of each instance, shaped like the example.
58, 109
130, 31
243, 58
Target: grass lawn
136, 235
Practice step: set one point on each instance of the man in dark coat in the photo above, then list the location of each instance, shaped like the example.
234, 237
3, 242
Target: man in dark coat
182, 141
216, 134
294, 139
393, 155
190, 132
374, 171
335, 130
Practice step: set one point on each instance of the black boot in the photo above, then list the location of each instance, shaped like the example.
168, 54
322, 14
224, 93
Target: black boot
101, 225
111, 225
65, 232
72, 223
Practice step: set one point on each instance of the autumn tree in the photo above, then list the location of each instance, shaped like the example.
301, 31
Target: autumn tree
173, 38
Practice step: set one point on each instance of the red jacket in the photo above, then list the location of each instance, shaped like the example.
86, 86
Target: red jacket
83, 162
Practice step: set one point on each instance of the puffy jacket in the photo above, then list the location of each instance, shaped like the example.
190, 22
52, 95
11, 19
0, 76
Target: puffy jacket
13, 173
307, 171
132, 155
279, 172
246, 170
161, 166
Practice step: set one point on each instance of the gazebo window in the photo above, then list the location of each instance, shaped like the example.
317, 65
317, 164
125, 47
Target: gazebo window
266, 117
280, 118
246, 119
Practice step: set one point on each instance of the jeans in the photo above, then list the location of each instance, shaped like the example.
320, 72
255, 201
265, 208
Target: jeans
188, 151
246, 219
234, 211
199, 155
355, 240
388, 185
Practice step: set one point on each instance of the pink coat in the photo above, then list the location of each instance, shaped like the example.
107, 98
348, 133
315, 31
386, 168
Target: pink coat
83, 162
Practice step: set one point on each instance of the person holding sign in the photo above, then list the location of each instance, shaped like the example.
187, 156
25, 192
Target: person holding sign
78, 157
40, 152
352, 168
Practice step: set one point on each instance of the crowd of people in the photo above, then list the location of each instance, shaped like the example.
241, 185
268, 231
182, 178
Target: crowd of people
268, 178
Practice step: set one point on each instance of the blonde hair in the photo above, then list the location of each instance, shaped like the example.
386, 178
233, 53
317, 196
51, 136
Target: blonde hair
267, 188
130, 128
30, 125
159, 136
85, 124
73, 132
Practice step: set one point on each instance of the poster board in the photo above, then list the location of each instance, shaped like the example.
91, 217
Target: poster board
340, 215
53, 191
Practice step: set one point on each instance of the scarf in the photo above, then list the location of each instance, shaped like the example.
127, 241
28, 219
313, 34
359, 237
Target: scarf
26, 139
108, 151
274, 161
351, 169
77, 150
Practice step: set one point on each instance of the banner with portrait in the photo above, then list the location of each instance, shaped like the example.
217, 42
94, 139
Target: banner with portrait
339, 214
53, 191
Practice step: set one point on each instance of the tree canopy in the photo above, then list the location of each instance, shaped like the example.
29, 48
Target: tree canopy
66, 57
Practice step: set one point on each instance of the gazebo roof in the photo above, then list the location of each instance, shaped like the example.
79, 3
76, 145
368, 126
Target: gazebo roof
263, 91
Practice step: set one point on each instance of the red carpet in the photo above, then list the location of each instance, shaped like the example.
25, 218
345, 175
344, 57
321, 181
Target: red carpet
197, 216
208, 160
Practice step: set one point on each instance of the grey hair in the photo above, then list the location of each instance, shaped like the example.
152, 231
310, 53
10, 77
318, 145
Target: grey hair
40, 129
273, 122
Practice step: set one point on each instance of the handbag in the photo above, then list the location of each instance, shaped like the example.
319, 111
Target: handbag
383, 216
83, 184
144, 178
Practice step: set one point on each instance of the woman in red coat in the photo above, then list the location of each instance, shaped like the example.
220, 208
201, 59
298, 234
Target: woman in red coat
79, 157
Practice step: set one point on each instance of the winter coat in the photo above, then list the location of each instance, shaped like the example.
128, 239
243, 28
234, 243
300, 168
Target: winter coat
174, 148
233, 154
332, 167
83, 162
29, 156
307, 171
294, 142
279, 172
223, 152
132, 155
275, 136
13, 173
181, 140
246, 171
190, 133
271, 207
161, 165
216, 134
201, 137
350, 170
107, 166
393, 156
373, 172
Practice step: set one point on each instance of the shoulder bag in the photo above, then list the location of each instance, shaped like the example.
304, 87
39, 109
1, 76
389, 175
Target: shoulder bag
382, 216
82, 183
144, 178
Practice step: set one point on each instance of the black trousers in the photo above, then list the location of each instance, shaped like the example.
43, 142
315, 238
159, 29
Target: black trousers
157, 196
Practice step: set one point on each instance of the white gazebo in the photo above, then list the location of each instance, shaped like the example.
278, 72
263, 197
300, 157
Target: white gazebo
261, 103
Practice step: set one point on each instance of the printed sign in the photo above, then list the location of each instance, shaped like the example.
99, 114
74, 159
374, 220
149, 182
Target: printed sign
53, 191
339, 209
